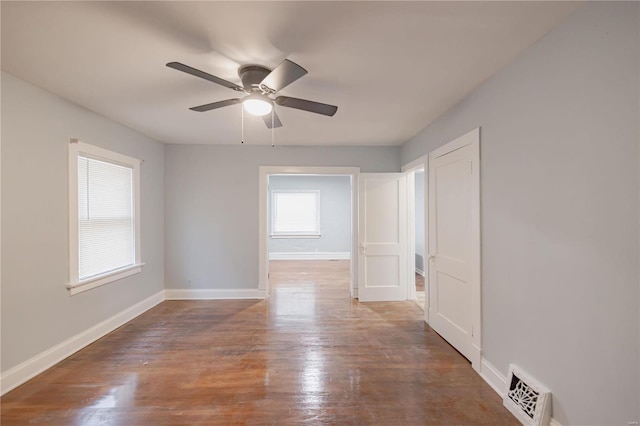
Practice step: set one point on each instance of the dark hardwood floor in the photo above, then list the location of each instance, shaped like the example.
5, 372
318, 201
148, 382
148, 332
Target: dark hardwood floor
307, 355
419, 282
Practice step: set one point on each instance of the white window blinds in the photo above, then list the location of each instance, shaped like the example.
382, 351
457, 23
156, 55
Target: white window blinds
296, 213
106, 219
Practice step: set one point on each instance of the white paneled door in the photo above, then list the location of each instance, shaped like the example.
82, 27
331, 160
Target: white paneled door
382, 237
454, 279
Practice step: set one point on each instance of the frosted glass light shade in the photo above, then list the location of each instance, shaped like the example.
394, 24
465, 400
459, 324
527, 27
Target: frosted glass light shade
257, 106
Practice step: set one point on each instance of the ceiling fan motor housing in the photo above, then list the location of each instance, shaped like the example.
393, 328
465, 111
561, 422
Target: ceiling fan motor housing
252, 75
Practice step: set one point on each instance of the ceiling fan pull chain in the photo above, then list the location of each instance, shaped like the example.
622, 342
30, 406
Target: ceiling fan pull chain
242, 125
273, 128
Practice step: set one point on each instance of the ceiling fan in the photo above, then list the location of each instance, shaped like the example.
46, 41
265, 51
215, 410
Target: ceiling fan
259, 83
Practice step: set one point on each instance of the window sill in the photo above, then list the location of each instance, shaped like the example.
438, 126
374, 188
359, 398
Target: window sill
276, 236
88, 284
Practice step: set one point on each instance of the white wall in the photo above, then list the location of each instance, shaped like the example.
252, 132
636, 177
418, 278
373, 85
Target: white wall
211, 206
419, 220
37, 311
560, 185
335, 215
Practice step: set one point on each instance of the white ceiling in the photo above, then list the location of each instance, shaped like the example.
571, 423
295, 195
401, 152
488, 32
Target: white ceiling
391, 67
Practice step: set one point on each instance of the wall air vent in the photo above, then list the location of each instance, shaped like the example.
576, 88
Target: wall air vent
527, 399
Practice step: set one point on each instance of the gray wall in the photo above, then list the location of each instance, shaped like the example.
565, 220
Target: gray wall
37, 311
335, 214
420, 220
211, 205
560, 186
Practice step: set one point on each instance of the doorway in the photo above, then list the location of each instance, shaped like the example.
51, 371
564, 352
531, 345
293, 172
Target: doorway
417, 219
419, 237
298, 224
309, 237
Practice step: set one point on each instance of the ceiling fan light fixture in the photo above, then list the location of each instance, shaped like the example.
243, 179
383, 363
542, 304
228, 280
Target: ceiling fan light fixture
259, 83
257, 105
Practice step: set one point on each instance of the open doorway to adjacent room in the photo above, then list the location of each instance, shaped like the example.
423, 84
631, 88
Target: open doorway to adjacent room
417, 221
419, 237
307, 239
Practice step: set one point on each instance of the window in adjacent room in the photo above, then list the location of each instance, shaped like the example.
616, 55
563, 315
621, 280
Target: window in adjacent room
295, 214
104, 216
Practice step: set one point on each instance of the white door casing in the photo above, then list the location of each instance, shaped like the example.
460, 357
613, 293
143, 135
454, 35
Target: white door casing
454, 244
382, 237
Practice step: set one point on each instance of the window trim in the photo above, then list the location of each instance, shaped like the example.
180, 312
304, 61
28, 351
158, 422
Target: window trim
274, 234
76, 149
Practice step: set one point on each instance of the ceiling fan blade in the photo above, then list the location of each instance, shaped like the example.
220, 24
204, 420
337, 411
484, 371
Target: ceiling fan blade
190, 70
303, 104
215, 105
276, 120
282, 76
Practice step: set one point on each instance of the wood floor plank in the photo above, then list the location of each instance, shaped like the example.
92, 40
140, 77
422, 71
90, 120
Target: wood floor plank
307, 355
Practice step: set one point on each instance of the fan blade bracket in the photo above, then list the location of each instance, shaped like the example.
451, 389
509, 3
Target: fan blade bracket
266, 89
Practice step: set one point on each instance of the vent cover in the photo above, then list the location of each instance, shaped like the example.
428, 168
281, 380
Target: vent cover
527, 399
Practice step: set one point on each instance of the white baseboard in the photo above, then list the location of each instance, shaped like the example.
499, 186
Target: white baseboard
498, 382
30, 368
310, 255
212, 294
419, 272
493, 377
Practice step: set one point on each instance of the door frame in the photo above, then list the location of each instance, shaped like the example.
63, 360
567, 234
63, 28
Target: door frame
421, 163
472, 139
263, 216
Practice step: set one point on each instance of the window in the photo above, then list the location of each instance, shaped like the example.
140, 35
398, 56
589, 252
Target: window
295, 214
104, 216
